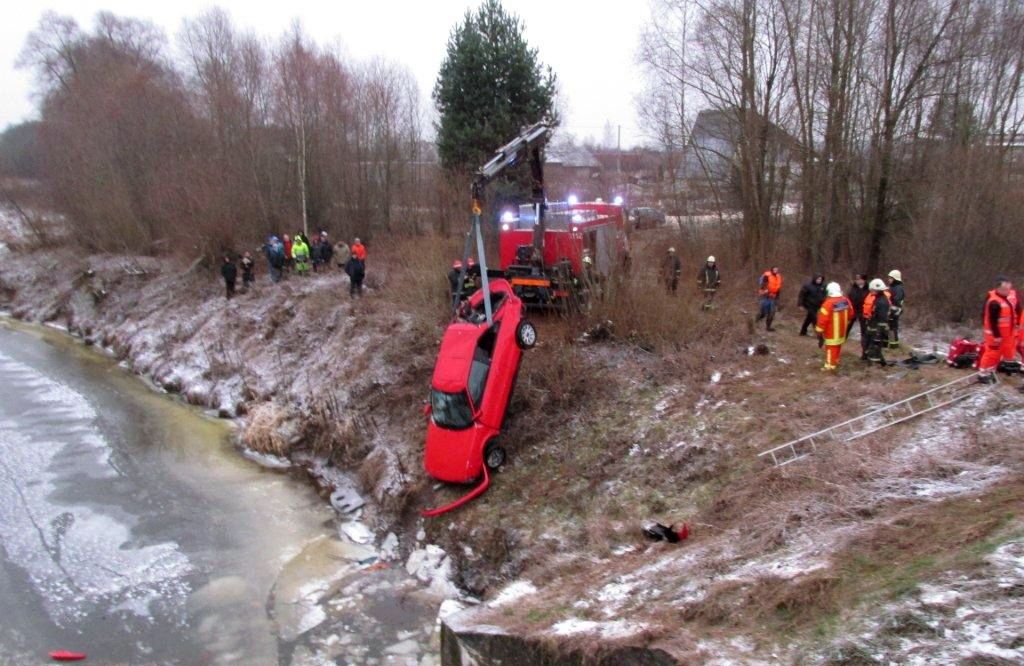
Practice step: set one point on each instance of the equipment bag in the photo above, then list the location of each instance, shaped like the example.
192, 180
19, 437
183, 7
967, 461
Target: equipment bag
963, 353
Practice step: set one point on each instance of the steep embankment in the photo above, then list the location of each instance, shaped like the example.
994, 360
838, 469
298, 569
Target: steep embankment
308, 368
905, 546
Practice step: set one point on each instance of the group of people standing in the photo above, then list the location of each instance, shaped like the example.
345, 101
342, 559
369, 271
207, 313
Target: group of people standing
709, 277
876, 305
286, 255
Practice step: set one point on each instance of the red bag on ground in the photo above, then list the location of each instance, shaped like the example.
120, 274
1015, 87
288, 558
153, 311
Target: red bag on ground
963, 353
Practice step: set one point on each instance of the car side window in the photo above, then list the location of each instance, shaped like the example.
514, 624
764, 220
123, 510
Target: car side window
480, 367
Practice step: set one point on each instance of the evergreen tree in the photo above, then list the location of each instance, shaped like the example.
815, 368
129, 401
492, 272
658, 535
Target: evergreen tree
490, 86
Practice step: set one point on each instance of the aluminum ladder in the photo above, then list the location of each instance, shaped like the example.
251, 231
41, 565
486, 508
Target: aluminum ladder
873, 421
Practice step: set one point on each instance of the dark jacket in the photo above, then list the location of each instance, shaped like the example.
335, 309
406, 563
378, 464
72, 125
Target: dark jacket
897, 293
356, 269
247, 266
275, 255
812, 294
671, 266
709, 277
229, 271
857, 296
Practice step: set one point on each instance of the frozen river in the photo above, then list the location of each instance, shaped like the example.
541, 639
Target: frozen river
132, 531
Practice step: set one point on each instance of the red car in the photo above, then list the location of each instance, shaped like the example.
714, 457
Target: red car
472, 384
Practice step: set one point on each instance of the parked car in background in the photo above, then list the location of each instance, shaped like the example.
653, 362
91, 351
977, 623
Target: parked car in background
646, 218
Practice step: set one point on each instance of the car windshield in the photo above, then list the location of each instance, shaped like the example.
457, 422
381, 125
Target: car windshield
451, 410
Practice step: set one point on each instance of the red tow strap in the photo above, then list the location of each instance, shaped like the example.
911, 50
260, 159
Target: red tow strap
473, 494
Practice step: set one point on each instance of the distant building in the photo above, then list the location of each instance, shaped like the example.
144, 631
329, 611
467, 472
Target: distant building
571, 169
714, 141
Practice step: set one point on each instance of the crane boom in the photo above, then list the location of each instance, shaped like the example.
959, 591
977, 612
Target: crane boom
528, 145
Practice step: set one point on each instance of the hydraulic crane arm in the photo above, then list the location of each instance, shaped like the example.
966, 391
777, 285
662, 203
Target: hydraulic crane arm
527, 145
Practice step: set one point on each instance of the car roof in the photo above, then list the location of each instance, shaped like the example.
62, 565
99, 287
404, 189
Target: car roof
451, 372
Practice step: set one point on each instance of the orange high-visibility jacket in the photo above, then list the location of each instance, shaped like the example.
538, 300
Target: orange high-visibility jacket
772, 284
1005, 325
359, 251
834, 319
869, 303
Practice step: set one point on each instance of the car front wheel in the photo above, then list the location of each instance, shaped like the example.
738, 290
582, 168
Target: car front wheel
526, 335
494, 455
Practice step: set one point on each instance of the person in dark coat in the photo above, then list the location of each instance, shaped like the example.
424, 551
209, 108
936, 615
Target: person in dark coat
248, 271
709, 278
671, 267
316, 253
326, 250
356, 269
858, 292
276, 258
229, 271
810, 298
896, 296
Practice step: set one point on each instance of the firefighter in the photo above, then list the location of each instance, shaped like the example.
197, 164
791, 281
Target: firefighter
708, 279
453, 280
1000, 319
671, 267
896, 296
769, 288
833, 322
876, 314
810, 298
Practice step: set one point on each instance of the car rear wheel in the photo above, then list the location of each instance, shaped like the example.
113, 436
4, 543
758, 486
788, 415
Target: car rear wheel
526, 335
494, 455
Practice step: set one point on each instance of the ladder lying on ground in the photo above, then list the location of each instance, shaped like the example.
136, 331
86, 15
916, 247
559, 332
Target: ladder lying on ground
873, 421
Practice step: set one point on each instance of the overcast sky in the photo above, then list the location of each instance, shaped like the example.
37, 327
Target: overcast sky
590, 45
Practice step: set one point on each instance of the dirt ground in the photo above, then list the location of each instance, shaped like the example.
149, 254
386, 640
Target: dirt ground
906, 546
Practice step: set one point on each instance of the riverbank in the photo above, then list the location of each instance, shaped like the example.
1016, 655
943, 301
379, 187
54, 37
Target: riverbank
813, 562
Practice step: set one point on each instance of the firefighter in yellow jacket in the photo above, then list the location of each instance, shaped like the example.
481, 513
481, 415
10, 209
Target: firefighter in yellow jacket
834, 317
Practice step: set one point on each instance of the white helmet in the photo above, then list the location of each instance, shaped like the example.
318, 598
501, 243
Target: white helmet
833, 290
671, 250
896, 275
711, 259
876, 285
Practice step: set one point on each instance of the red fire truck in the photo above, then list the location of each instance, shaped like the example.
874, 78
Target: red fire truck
550, 270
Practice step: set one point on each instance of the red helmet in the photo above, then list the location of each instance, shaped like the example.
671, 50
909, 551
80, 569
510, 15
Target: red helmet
456, 264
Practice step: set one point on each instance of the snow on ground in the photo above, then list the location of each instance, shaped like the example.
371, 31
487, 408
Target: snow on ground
965, 618
513, 592
609, 630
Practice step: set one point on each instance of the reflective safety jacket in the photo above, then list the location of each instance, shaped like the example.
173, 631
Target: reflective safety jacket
834, 317
359, 251
771, 284
1000, 316
300, 251
869, 304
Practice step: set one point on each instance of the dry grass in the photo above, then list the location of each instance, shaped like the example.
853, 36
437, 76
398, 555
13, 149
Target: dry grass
262, 429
